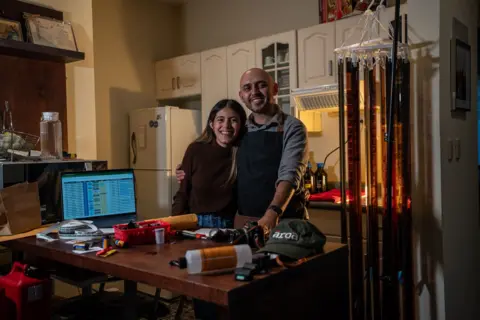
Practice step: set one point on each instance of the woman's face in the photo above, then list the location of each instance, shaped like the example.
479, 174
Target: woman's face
226, 126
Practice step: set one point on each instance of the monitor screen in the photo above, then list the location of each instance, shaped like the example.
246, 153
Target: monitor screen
97, 194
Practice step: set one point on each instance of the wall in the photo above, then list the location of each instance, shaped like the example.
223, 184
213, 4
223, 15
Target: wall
81, 117
214, 23
445, 193
461, 219
129, 36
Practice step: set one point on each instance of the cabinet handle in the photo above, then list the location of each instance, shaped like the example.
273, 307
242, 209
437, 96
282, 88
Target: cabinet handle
178, 82
173, 83
330, 68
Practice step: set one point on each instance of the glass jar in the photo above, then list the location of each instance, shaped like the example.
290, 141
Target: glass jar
51, 141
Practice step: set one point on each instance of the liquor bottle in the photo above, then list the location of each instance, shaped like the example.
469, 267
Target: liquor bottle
321, 178
308, 178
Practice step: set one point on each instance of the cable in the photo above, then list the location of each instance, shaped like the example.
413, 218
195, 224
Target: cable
331, 152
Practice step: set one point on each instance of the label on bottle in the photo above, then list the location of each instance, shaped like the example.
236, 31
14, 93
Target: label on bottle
218, 258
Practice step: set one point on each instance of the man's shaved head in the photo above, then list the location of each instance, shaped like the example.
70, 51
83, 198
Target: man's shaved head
257, 90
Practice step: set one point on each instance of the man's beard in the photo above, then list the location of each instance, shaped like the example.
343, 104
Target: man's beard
259, 106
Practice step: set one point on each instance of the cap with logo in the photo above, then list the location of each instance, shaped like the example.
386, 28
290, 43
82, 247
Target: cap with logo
295, 239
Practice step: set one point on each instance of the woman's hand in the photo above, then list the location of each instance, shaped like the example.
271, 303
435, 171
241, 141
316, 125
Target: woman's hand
179, 173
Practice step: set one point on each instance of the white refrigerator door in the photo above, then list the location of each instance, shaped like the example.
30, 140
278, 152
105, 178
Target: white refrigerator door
154, 196
150, 139
185, 128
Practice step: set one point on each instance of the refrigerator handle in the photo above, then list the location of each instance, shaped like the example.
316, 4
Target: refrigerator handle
133, 143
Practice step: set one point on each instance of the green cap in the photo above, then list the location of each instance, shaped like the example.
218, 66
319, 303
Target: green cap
295, 239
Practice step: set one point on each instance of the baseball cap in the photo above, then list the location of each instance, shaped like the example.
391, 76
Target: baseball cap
295, 239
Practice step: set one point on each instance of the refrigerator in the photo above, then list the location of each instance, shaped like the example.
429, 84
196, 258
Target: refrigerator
158, 140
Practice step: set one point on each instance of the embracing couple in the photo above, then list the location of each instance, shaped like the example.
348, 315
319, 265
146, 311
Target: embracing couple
243, 168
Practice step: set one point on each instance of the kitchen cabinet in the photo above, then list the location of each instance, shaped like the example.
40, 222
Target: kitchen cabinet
316, 56
277, 54
214, 79
240, 58
178, 77
387, 18
165, 81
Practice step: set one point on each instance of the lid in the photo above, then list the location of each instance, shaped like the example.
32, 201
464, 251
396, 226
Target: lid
320, 165
49, 116
182, 262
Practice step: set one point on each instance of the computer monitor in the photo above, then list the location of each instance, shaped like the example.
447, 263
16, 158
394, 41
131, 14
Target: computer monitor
94, 195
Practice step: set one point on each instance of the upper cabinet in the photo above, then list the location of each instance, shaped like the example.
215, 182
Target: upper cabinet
165, 81
277, 55
214, 79
315, 55
387, 18
178, 77
240, 58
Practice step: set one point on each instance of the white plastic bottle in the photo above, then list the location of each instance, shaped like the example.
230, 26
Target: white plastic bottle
218, 259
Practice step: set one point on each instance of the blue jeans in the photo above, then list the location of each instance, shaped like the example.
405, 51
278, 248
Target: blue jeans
208, 220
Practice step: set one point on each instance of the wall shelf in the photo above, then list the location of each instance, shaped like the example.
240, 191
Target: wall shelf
37, 52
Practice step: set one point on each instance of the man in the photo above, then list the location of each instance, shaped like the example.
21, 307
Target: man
272, 156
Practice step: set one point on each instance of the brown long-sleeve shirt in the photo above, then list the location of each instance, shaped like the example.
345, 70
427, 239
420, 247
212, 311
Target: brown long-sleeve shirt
205, 188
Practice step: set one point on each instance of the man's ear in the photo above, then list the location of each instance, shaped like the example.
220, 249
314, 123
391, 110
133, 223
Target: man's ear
275, 89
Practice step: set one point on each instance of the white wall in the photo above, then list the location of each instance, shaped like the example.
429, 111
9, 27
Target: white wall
128, 36
445, 203
81, 115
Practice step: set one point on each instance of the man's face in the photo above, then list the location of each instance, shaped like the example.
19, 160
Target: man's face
257, 90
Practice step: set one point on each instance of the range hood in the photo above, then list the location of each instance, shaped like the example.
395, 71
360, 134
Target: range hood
321, 98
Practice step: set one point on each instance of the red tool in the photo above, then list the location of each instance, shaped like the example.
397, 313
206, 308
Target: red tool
106, 252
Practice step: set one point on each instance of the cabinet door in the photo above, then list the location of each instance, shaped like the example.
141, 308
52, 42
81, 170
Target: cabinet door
214, 79
277, 55
165, 81
387, 19
315, 55
240, 58
187, 75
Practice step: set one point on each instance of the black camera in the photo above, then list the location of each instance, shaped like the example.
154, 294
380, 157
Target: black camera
251, 234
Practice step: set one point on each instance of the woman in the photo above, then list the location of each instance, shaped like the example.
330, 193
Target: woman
209, 165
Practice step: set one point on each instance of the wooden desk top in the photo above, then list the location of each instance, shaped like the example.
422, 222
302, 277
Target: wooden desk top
149, 264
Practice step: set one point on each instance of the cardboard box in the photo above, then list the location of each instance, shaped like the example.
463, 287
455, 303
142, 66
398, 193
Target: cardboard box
19, 209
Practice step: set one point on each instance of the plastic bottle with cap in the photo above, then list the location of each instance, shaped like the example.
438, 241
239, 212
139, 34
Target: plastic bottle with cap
218, 259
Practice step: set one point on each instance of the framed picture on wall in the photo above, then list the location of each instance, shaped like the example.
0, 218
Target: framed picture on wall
461, 75
10, 30
50, 32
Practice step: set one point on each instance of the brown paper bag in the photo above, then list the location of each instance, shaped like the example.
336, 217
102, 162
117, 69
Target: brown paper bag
19, 209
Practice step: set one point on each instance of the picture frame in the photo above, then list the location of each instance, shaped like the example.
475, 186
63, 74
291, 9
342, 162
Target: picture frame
10, 30
461, 75
50, 32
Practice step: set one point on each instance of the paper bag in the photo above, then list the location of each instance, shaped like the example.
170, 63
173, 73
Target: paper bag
19, 209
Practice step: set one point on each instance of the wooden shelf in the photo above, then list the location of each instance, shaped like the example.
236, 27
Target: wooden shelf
37, 52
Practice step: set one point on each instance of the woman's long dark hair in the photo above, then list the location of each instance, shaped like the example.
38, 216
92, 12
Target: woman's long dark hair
208, 136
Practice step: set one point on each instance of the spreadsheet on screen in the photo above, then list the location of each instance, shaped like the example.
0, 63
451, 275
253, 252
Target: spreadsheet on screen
98, 194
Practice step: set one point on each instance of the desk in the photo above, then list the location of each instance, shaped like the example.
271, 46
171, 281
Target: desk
317, 289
